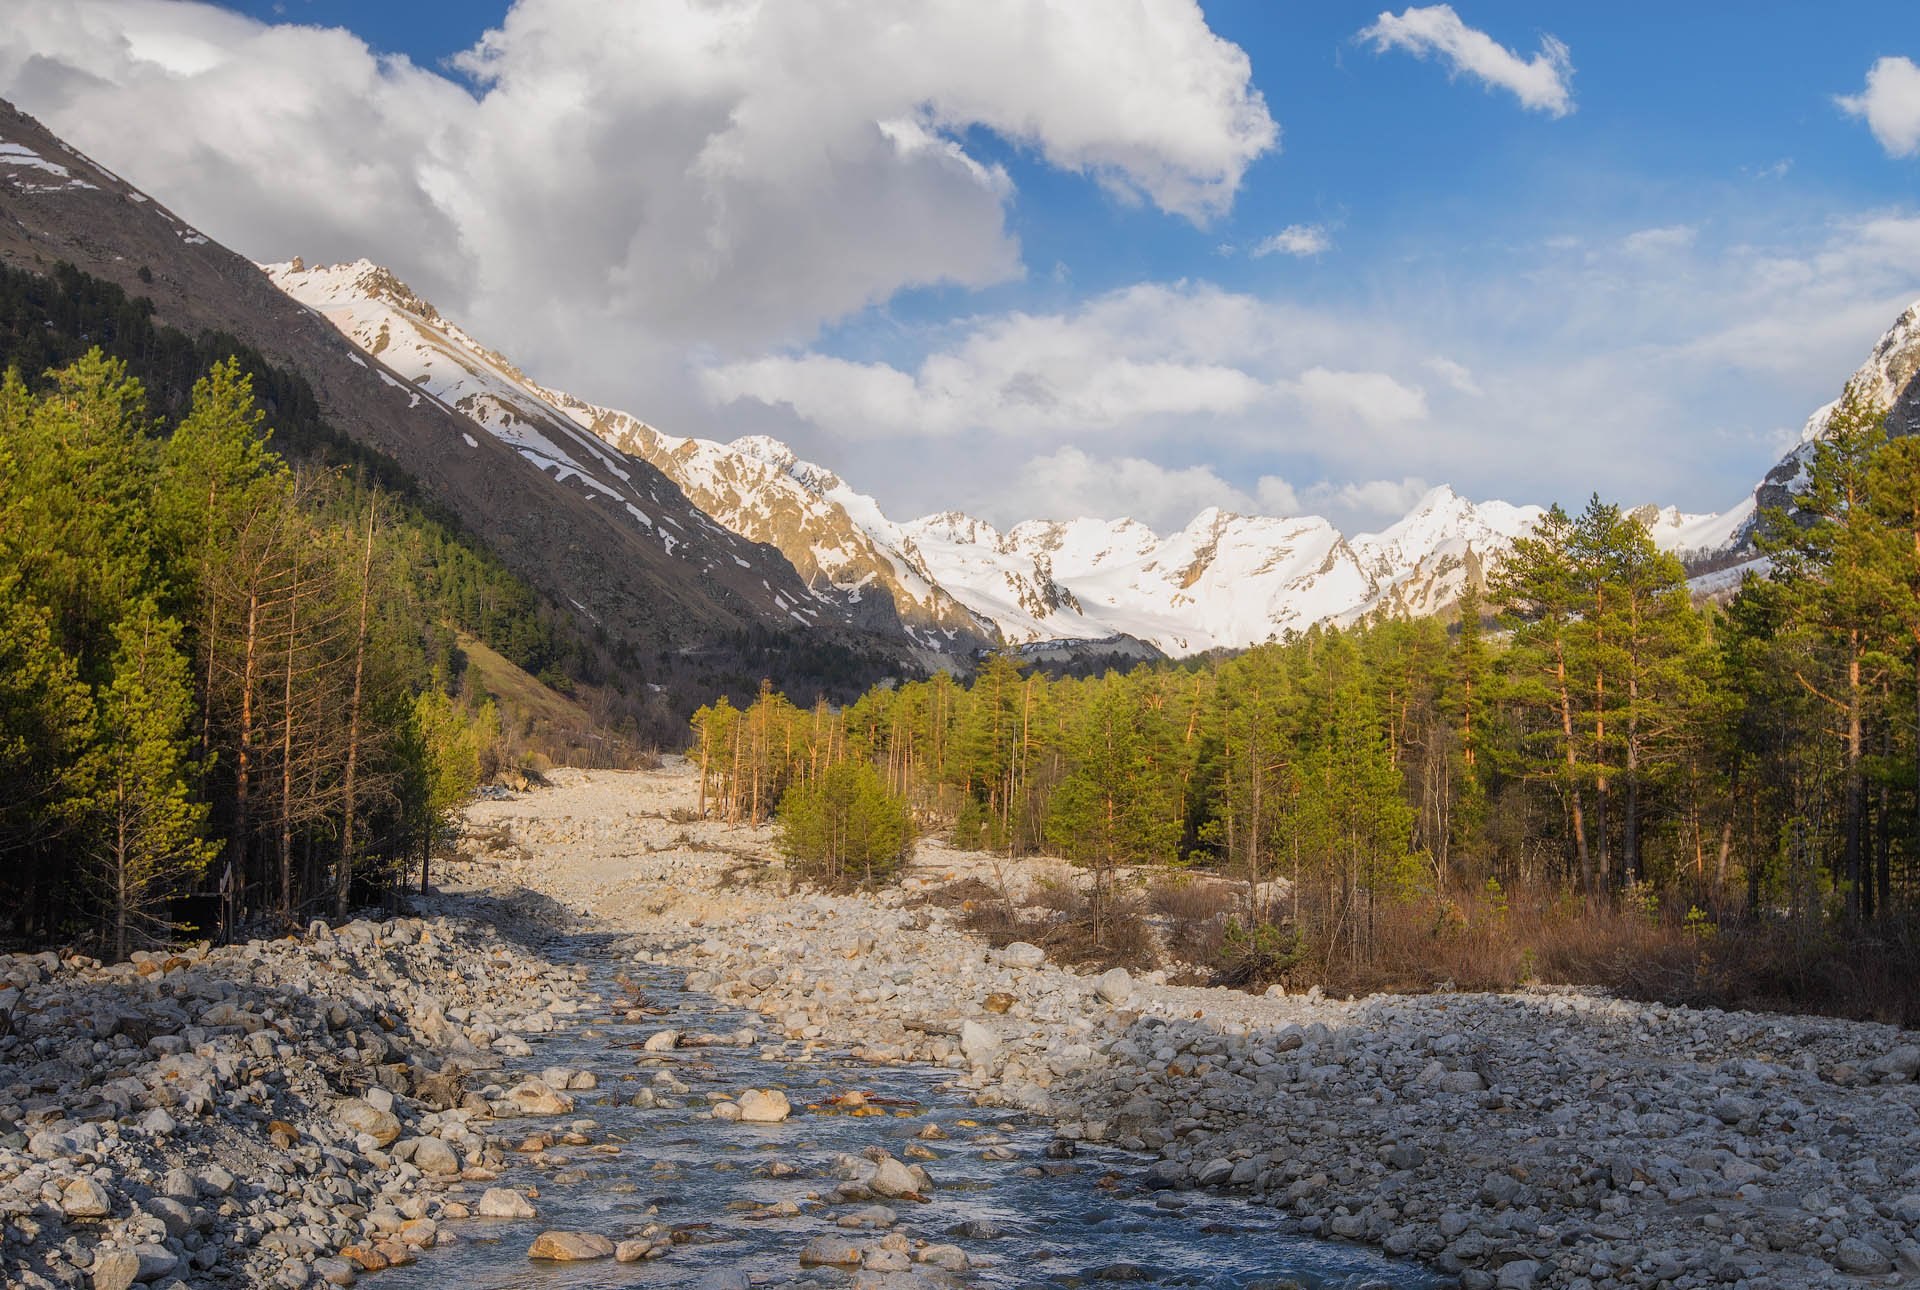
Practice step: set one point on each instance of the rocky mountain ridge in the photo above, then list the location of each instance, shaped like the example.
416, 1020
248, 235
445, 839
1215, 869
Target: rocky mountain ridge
955, 584
603, 535
951, 582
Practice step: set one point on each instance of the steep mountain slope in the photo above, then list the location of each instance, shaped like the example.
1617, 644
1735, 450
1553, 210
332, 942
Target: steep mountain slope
1721, 544
756, 488
952, 583
605, 535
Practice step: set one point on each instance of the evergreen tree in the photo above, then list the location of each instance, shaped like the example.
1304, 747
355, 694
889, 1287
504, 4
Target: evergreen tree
143, 837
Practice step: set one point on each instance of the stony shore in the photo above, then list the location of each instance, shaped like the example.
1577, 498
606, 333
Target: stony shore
242, 1115
1554, 1137
294, 1112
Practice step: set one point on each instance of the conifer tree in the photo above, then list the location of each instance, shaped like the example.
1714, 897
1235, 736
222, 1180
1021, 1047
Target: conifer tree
143, 835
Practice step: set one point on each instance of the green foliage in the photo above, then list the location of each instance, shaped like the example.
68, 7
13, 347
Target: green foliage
1256, 956
844, 828
142, 838
1607, 742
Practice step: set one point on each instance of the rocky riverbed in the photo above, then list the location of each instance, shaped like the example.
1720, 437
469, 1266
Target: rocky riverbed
305, 1110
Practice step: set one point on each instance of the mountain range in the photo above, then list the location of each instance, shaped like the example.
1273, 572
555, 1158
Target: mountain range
603, 535
954, 583
674, 542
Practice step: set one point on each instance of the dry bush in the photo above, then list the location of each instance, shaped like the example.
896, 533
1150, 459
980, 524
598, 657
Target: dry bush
684, 815
1194, 913
964, 894
1186, 898
1065, 930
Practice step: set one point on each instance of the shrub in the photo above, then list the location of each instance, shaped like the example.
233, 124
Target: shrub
1258, 955
844, 828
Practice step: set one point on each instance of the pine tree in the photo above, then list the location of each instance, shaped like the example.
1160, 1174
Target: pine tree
143, 837
1831, 559
1113, 807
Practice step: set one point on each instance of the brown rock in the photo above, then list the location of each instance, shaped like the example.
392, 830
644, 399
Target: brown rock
570, 1247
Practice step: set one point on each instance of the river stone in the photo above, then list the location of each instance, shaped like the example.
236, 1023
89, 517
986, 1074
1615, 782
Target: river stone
156, 1261
1115, 986
335, 1272
1902, 1063
570, 1247
950, 1258
432, 1156
662, 1041
830, 1251
358, 1117
764, 1106
1020, 954
537, 1097
1856, 1256
891, 1178
115, 1269
504, 1202
631, 1251
1518, 1275
978, 1043
85, 1198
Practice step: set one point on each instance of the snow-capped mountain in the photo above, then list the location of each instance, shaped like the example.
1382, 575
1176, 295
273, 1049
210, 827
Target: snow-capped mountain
754, 488
1721, 546
600, 536
1223, 581
950, 581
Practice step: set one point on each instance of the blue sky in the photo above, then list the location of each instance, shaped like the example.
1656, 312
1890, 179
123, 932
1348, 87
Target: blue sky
1621, 246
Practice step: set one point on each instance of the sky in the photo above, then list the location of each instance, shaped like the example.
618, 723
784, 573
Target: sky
1103, 257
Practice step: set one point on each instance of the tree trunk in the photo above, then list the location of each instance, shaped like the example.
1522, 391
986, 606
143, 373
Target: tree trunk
1856, 781
343, 873
286, 748
1581, 854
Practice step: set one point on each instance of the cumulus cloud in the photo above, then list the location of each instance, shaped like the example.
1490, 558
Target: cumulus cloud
1069, 483
1541, 83
1133, 355
1890, 105
1295, 239
613, 184
1370, 398
1355, 502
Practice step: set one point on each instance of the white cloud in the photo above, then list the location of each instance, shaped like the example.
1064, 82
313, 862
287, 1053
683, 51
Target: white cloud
1372, 501
1130, 356
617, 183
1456, 375
1374, 399
1890, 105
1541, 83
1658, 241
1275, 496
1069, 483
1295, 239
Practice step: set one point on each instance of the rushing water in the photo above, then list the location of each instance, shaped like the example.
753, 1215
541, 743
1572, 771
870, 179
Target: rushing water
1028, 1221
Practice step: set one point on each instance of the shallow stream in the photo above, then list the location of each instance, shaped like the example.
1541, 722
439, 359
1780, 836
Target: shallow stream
1024, 1221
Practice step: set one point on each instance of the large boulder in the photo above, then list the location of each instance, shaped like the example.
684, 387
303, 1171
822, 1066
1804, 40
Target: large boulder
432, 1156
831, 1252
1020, 954
764, 1106
570, 1247
357, 1117
891, 1178
85, 1198
503, 1202
978, 1043
537, 1097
